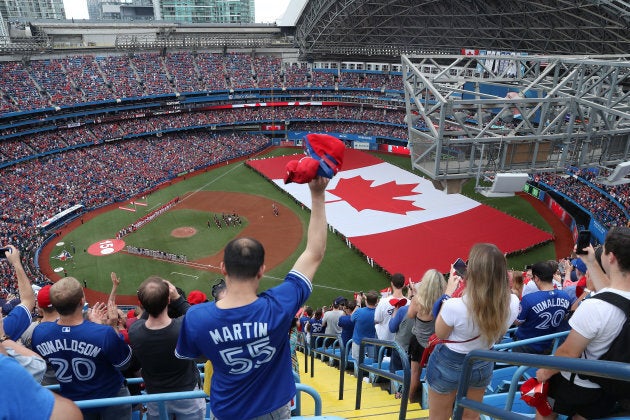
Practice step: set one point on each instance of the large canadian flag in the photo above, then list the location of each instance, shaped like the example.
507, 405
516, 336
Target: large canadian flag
400, 221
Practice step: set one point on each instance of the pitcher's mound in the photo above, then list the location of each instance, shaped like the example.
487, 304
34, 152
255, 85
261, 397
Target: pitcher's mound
183, 232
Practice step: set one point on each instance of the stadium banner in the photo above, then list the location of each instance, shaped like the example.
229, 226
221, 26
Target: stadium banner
59, 216
272, 127
564, 216
295, 135
598, 230
278, 104
361, 145
400, 220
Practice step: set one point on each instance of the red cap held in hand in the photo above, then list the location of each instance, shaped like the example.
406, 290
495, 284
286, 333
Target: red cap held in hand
301, 171
534, 394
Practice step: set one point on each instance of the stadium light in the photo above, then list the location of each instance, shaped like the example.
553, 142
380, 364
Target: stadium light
505, 185
618, 175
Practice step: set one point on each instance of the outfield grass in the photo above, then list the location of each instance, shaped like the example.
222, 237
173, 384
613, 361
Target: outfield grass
342, 272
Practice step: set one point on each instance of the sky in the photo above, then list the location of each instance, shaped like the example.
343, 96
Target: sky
267, 11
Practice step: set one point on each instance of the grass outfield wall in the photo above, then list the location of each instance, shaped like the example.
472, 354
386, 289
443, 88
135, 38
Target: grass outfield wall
342, 272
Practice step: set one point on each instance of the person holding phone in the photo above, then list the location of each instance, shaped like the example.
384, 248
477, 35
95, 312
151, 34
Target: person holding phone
476, 320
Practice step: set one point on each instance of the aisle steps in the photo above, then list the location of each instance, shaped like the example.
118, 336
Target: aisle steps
376, 402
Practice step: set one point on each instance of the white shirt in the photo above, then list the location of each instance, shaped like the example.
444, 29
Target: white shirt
529, 287
455, 314
600, 322
382, 315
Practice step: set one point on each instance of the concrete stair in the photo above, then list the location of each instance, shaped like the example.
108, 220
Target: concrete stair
376, 401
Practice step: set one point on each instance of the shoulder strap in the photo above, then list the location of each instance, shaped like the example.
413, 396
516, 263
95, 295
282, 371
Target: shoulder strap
614, 299
455, 341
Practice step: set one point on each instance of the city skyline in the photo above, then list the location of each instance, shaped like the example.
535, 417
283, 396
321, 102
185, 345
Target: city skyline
267, 11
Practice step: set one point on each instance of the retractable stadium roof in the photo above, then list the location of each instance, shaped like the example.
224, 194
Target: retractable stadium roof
382, 28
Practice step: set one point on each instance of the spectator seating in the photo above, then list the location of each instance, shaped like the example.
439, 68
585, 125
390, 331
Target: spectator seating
489, 407
599, 205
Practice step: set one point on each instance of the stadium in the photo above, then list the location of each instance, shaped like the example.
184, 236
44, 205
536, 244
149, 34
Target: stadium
142, 148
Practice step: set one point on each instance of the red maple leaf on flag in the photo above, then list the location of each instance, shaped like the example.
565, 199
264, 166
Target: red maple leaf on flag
361, 195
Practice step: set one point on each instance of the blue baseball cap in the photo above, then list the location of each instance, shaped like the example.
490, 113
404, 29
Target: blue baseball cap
579, 264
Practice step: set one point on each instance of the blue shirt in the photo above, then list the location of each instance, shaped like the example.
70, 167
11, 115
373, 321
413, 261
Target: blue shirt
316, 326
21, 396
17, 322
542, 313
249, 349
363, 319
397, 319
86, 358
347, 328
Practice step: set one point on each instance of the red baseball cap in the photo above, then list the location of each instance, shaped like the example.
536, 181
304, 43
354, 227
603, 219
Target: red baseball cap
327, 150
196, 296
301, 171
43, 297
534, 394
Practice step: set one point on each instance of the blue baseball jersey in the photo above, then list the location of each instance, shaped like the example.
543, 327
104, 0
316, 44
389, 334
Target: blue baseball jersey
363, 319
316, 325
86, 358
21, 396
249, 349
542, 313
17, 322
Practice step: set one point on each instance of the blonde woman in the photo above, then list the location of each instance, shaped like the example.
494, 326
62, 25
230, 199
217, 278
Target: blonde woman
475, 321
428, 291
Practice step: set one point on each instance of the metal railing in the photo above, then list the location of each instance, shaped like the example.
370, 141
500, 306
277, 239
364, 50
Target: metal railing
325, 345
405, 378
162, 398
601, 368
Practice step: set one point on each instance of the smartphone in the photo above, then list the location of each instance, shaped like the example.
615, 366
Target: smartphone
584, 240
460, 267
2, 252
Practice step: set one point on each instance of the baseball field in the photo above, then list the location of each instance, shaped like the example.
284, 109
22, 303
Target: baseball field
189, 229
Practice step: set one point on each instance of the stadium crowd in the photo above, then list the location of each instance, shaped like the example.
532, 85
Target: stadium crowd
37, 188
86, 78
602, 207
546, 298
375, 122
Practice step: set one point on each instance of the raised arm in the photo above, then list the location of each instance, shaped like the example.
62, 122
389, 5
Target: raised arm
595, 272
27, 296
115, 284
311, 258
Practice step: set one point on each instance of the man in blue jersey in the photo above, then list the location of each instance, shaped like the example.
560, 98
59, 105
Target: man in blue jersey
24, 398
246, 335
87, 357
19, 319
542, 312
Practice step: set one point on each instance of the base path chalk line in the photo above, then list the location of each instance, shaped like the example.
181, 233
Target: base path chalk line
319, 286
187, 275
186, 197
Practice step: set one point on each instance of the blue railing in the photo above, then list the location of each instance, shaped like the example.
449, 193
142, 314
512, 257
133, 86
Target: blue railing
558, 338
162, 398
330, 346
601, 368
405, 378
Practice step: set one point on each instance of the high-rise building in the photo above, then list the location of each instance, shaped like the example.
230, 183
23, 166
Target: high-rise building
191, 11
31, 9
121, 9
207, 11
